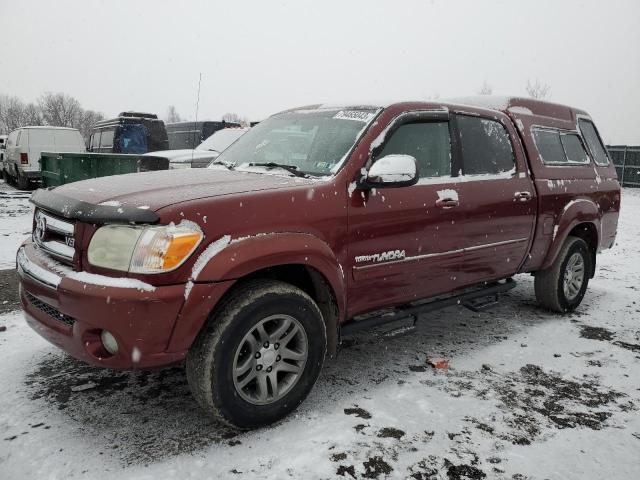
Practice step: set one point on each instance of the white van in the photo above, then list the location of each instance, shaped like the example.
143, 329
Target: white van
25, 144
3, 144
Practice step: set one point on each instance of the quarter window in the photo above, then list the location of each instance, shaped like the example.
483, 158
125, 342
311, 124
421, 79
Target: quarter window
486, 147
428, 142
594, 144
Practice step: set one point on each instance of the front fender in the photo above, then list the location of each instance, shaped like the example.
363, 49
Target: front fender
243, 256
574, 213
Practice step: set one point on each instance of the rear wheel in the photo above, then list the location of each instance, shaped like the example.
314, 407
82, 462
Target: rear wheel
22, 182
561, 287
259, 355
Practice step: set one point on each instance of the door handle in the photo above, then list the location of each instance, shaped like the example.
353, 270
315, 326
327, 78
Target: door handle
447, 203
523, 196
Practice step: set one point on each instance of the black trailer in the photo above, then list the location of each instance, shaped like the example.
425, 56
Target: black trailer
129, 132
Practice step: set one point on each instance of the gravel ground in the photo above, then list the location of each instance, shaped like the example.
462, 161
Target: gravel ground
526, 395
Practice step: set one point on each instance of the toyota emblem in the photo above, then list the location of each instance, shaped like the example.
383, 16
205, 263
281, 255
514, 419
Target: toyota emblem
41, 228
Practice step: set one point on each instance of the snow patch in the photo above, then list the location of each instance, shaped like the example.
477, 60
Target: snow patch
447, 193
520, 110
110, 203
211, 251
104, 281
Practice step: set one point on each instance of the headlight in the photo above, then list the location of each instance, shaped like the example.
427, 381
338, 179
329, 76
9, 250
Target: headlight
143, 249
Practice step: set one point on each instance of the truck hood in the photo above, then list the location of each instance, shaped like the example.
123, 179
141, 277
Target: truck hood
155, 190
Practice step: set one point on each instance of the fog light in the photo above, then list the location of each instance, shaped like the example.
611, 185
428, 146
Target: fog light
109, 342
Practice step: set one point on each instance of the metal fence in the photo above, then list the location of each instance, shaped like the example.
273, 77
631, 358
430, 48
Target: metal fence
627, 162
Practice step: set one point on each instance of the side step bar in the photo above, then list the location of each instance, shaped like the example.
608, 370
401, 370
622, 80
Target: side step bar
474, 299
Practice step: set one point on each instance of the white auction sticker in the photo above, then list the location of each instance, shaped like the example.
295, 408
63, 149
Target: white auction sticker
357, 115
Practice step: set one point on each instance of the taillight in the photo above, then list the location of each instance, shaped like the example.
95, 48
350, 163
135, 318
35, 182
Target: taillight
24, 158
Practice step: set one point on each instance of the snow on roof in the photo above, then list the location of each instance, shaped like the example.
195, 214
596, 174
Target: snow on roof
45, 127
514, 105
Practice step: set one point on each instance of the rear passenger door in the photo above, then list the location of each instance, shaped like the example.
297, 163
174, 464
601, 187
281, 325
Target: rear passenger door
496, 198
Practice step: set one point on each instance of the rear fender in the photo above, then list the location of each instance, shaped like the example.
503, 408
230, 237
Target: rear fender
574, 213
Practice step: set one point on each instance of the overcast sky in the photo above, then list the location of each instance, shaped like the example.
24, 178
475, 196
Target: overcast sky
259, 57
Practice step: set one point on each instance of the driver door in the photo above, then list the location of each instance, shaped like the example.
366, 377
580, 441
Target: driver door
404, 243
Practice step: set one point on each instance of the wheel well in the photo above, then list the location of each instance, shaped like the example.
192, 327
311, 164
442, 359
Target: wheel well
588, 232
314, 284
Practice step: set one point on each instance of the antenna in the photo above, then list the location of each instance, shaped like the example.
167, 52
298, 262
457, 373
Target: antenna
195, 124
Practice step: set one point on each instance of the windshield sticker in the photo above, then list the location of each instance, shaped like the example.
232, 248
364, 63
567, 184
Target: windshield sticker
357, 115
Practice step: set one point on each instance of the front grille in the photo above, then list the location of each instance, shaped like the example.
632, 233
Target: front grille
49, 310
54, 235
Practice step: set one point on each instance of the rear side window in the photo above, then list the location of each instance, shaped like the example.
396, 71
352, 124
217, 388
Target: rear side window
549, 146
486, 147
428, 142
573, 148
594, 144
95, 140
106, 139
558, 148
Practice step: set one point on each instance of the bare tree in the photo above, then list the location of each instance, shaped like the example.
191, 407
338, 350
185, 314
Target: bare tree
486, 89
60, 110
172, 115
55, 109
86, 120
538, 89
32, 114
14, 113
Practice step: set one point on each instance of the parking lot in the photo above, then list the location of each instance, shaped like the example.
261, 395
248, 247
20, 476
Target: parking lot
527, 394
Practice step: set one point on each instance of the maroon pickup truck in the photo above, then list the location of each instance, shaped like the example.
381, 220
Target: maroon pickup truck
317, 222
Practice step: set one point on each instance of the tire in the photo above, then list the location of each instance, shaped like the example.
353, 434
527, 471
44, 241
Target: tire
550, 283
22, 182
226, 343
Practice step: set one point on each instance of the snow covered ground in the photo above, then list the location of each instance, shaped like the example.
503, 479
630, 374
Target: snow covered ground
15, 223
527, 395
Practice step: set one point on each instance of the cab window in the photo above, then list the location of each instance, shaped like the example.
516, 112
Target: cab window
486, 147
428, 142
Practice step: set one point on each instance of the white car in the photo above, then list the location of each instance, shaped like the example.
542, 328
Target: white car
25, 144
204, 153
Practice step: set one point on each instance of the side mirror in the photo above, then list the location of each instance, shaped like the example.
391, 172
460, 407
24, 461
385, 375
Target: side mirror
392, 171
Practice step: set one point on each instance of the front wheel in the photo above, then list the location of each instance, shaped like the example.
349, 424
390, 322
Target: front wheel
259, 355
562, 286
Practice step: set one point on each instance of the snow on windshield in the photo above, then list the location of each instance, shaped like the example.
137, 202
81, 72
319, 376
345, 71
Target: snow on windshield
220, 140
310, 141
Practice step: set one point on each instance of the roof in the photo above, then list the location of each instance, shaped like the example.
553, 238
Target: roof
510, 105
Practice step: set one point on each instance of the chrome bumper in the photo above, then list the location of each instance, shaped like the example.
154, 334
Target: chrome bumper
27, 267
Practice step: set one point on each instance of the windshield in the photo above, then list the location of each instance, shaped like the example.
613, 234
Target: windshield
220, 140
313, 142
133, 139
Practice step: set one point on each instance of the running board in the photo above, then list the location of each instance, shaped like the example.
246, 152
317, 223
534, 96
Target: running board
474, 299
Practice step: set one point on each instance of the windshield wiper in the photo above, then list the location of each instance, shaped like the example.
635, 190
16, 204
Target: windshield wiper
213, 150
229, 166
293, 169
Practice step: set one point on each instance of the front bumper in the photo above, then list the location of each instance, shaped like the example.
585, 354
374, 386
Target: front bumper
71, 314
